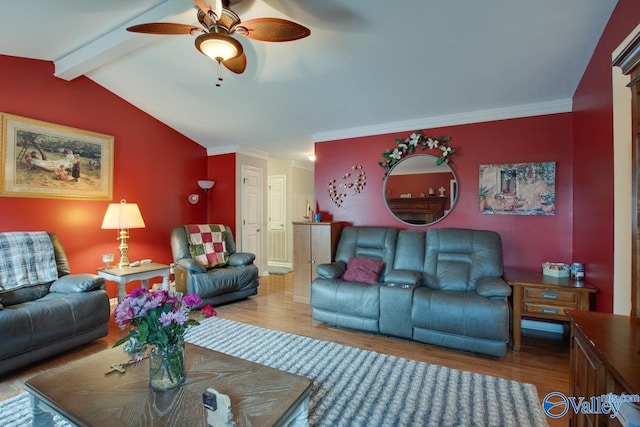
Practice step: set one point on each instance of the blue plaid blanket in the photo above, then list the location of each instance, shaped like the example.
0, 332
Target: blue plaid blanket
26, 258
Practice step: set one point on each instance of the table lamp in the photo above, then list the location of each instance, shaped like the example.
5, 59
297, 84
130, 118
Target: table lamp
123, 216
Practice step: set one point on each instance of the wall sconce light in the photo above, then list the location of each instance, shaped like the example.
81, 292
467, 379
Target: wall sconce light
206, 186
312, 157
193, 198
123, 216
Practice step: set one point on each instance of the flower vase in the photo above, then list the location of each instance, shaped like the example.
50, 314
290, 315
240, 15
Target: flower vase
166, 367
134, 348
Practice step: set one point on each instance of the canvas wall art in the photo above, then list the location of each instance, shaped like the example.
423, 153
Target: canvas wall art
517, 189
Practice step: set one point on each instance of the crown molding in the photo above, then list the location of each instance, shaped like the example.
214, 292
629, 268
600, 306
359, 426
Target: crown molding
222, 149
252, 152
526, 110
307, 165
238, 149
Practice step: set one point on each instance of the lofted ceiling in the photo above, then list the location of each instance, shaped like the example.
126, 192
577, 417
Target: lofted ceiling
368, 67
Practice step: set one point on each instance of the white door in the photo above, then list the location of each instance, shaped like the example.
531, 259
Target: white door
277, 206
252, 213
277, 201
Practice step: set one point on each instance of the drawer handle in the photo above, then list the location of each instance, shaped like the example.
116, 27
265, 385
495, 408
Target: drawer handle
550, 310
549, 296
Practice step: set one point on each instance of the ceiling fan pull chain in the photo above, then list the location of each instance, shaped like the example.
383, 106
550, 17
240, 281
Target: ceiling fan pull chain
219, 83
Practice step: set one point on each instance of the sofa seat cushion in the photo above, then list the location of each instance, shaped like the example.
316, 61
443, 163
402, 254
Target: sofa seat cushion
50, 319
217, 281
461, 313
350, 298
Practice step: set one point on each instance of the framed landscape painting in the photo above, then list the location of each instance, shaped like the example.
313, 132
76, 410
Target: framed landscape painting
518, 189
41, 159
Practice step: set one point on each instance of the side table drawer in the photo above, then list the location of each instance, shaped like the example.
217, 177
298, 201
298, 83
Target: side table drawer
558, 296
547, 310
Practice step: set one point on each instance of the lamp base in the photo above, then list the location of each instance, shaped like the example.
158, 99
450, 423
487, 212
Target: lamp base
124, 249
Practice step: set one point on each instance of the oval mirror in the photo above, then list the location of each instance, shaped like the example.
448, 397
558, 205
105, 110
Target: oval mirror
417, 191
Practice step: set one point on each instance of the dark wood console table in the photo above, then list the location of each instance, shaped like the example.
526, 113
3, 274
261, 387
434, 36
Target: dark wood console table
418, 210
605, 358
544, 297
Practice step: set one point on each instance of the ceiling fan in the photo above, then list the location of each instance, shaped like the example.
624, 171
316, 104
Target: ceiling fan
219, 23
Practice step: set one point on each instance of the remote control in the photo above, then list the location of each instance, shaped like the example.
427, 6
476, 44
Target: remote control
134, 264
145, 261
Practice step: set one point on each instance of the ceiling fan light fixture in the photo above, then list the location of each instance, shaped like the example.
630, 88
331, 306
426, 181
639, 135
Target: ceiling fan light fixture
219, 47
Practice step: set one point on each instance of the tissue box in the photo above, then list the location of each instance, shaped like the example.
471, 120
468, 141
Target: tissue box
555, 269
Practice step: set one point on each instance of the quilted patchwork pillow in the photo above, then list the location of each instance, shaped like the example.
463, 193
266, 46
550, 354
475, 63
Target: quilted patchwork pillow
207, 244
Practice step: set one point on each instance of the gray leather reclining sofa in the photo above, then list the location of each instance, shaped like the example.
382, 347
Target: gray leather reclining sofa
237, 280
441, 286
43, 320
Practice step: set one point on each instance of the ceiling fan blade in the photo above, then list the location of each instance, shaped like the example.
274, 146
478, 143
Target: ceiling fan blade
164, 28
210, 6
236, 65
272, 30
218, 9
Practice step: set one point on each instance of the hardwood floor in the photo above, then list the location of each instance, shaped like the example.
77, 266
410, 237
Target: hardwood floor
543, 362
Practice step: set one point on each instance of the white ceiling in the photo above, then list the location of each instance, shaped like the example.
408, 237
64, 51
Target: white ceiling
369, 66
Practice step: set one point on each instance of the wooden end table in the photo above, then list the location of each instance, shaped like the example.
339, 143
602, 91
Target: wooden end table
81, 392
544, 297
143, 272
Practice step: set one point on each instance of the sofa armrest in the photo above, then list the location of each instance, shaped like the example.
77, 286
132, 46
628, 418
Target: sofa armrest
241, 258
77, 283
334, 270
191, 265
403, 277
493, 287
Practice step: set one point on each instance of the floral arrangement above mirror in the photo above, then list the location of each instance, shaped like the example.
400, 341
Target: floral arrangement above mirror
414, 141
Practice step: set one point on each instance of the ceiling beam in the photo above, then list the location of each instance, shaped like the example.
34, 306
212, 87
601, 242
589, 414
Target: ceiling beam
115, 43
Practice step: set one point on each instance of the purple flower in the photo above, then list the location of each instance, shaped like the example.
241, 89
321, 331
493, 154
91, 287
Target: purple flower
138, 292
192, 300
166, 315
166, 319
123, 314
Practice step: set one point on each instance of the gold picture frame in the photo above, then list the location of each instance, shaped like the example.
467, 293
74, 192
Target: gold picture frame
41, 159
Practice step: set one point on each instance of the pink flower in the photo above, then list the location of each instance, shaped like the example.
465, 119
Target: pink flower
209, 311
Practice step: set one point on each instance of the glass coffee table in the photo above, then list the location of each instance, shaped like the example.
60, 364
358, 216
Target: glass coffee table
81, 392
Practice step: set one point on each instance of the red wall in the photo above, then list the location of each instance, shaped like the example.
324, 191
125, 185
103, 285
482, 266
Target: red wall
222, 201
528, 240
154, 166
593, 156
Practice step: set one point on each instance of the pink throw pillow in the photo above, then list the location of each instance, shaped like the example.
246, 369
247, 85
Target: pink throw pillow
363, 270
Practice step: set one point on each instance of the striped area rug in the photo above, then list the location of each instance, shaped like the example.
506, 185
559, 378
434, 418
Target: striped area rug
354, 387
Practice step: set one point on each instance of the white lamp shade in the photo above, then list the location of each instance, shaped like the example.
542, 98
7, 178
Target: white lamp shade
205, 184
122, 215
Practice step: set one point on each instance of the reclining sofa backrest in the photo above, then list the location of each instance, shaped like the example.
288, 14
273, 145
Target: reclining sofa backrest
377, 243
62, 263
456, 258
